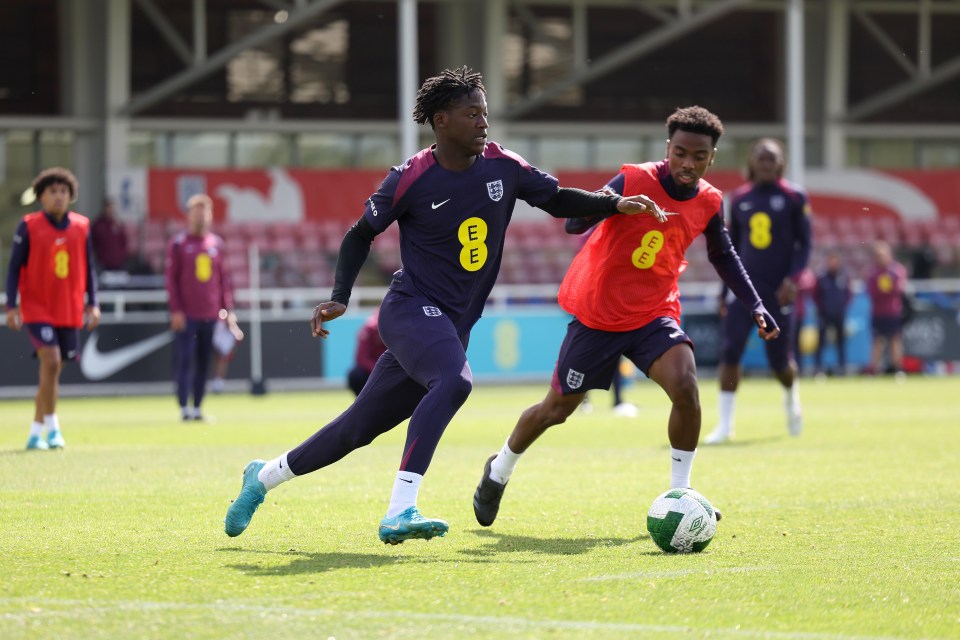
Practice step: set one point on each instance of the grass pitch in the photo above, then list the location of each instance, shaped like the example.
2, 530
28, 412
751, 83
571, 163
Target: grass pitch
850, 531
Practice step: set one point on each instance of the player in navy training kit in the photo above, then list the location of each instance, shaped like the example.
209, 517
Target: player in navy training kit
770, 228
453, 202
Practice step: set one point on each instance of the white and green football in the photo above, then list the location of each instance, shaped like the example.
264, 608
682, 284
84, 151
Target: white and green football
681, 521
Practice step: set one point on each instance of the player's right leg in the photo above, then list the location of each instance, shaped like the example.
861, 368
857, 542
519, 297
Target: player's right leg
46, 343
578, 370
735, 327
183, 349
387, 400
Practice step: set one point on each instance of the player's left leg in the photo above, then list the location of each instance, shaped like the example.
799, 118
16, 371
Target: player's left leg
202, 355
183, 350
45, 402
735, 328
676, 373
432, 351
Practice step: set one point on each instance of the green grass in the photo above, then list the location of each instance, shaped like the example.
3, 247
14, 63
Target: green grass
850, 531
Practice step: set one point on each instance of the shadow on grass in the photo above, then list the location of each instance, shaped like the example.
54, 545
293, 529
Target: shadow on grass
498, 543
305, 562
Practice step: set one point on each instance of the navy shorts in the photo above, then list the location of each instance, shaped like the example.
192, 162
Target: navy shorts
45, 335
589, 357
737, 325
886, 326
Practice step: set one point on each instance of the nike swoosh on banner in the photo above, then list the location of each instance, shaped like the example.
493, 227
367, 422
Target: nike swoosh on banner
98, 365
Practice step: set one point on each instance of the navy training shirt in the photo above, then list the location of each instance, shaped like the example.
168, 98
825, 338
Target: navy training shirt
453, 224
770, 229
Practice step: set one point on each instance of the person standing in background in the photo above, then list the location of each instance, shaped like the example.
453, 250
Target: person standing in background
832, 296
109, 240
369, 349
51, 267
198, 287
769, 221
886, 284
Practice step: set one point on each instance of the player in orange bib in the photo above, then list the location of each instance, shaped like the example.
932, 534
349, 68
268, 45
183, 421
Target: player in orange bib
51, 272
622, 290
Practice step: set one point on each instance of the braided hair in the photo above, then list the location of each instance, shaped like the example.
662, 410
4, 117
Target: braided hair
695, 120
441, 91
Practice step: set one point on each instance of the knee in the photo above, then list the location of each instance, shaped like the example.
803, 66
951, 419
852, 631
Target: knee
685, 392
460, 387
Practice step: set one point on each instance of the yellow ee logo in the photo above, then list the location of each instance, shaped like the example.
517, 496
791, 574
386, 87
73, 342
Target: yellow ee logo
203, 267
760, 236
472, 234
61, 264
885, 283
646, 254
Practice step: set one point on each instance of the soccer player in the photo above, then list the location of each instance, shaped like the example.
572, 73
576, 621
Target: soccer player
198, 288
832, 296
453, 202
51, 265
622, 290
770, 229
886, 283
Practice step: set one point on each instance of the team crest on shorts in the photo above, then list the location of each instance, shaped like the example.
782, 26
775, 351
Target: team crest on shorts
495, 190
574, 379
433, 312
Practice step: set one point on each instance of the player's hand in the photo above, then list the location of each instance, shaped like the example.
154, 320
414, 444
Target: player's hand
767, 327
631, 205
14, 319
91, 317
230, 318
787, 292
178, 321
325, 312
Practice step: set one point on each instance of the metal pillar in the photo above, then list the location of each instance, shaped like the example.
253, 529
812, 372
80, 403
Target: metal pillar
796, 142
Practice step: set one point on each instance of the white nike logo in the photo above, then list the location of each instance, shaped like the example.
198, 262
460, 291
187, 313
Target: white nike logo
97, 365
434, 205
394, 527
676, 334
59, 241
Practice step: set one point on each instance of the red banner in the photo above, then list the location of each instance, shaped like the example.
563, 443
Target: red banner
296, 195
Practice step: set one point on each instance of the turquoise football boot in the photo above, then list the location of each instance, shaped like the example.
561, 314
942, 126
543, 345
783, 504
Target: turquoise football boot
55, 440
409, 525
37, 443
251, 496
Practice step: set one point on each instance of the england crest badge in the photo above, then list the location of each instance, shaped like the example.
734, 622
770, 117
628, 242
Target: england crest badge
574, 379
495, 190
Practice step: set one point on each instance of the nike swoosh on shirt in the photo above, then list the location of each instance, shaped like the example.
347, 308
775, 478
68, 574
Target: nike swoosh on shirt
97, 365
436, 205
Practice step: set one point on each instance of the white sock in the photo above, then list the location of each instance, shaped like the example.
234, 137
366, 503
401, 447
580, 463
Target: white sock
503, 465
725, 406
275, 472
51, 422
681, 463
791, 399
406, 486
186, 413
36, 428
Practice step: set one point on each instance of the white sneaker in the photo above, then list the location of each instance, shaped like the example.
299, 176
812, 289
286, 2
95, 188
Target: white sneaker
586, 408
718, 436
795, 423
216, 385
626, 410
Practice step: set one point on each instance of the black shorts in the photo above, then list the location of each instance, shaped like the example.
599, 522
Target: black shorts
589, 357
46, 335
886, 326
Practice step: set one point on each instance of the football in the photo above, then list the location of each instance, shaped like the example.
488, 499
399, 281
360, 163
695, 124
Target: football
681, 521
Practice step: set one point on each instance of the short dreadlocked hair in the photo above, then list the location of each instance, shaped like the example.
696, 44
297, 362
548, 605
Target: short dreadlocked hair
695, 120
55, 175
441, 91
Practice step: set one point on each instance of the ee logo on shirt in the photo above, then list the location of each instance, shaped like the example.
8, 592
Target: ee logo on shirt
760, 236
646, 254
203, 267
61, 264
472, 234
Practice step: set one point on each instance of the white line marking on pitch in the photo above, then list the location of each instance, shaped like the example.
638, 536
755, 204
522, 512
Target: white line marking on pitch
79, 608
